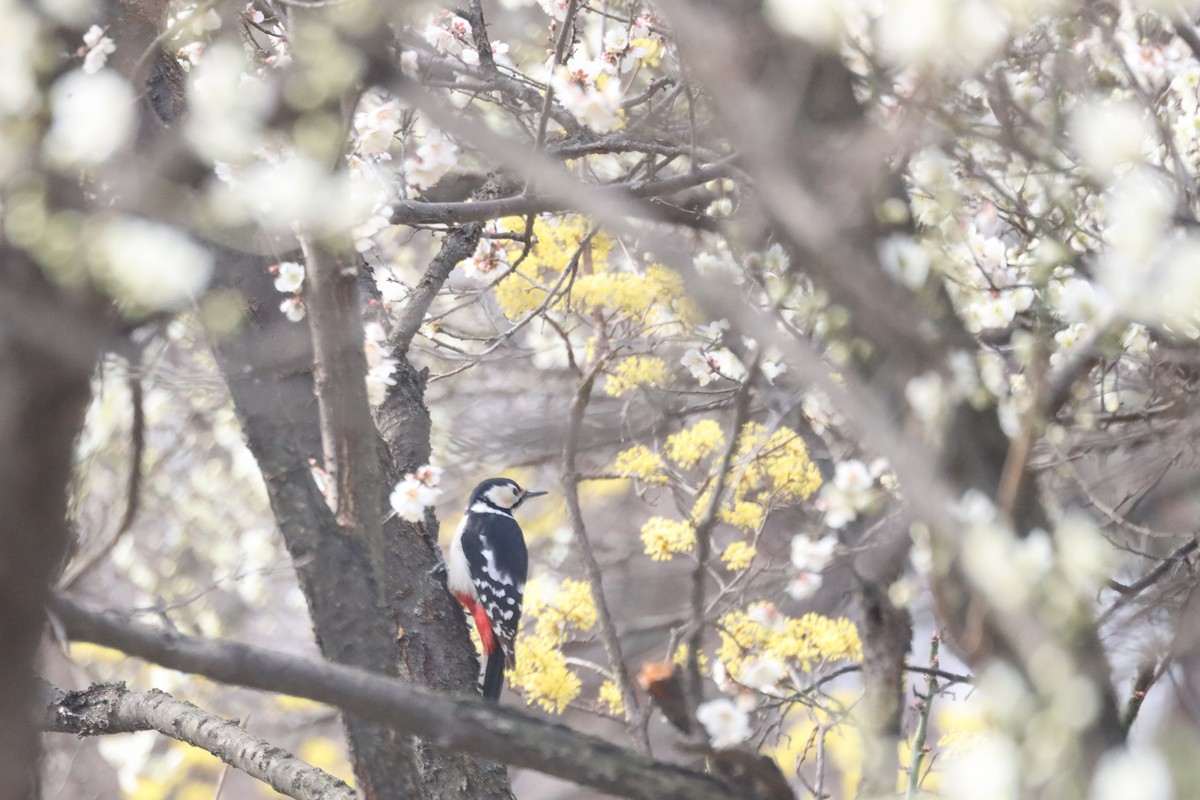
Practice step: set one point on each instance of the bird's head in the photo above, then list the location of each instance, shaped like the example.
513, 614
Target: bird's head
504, 494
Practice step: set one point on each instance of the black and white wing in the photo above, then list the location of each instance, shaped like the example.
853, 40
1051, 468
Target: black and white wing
499, 562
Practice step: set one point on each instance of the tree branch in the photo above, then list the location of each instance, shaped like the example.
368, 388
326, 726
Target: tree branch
464, 724
704, 529
112, 708
347, 430
457, 245
416, 212
608, 629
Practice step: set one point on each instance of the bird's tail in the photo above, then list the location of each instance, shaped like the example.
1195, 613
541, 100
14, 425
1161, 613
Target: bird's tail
493, 675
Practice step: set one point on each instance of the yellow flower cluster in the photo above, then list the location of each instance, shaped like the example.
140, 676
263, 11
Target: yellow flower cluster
637, 371
743, 514
570, 606
631, 294
602, 290
692, 445
776, 465
541, 671
680, 657
543, 675
663, 537
811, 640
640, 462
558, 239
610, 698
738, 555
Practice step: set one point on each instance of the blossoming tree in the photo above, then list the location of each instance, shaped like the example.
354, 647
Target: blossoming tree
857, 338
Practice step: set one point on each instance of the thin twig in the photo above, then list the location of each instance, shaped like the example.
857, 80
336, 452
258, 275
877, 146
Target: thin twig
925, 706
704, 530
569, 479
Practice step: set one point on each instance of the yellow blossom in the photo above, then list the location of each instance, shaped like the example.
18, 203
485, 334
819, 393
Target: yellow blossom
557, 239
738, 555
663, 537
654, 294
776, 465
610, 697
786, 461
692, 445
570, 605
811, 640
551, 611
542, 673
680, 657
640, 462
637, 371
743, 514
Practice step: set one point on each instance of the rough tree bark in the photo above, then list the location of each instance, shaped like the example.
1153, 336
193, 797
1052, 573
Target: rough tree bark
467, 724
45, 367
112, 708
268, 366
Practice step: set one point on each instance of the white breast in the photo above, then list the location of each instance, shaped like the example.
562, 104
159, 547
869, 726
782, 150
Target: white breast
458, 572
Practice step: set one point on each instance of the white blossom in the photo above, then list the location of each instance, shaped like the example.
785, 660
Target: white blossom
289, 277
594, 102
804, 585
851, 492
227, 104
1134, 772
436, 156
490, 260
905, 260
92, 116
772, 370
776, 260
766, 615
712, 330
926, 395
697, 362
293, 309
762, 673
727, 364
555, 8
1084, 555
376, 124
415, 492
812, 555
620, 53
98, 47
1078, 300
727, 725
940, 33
409, 64
720, 264
149, 265
988, 770
381, 366
822, 22
1108, 134
451, 34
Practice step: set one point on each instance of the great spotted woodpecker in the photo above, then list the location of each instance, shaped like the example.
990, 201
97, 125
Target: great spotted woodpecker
486, 570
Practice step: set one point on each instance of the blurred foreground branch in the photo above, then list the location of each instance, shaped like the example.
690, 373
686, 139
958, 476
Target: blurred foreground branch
111, 708
463, 724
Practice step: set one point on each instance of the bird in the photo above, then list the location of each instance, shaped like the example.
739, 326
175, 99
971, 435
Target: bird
486, 570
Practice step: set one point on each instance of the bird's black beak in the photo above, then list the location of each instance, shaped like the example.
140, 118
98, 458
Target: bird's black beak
532, 493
